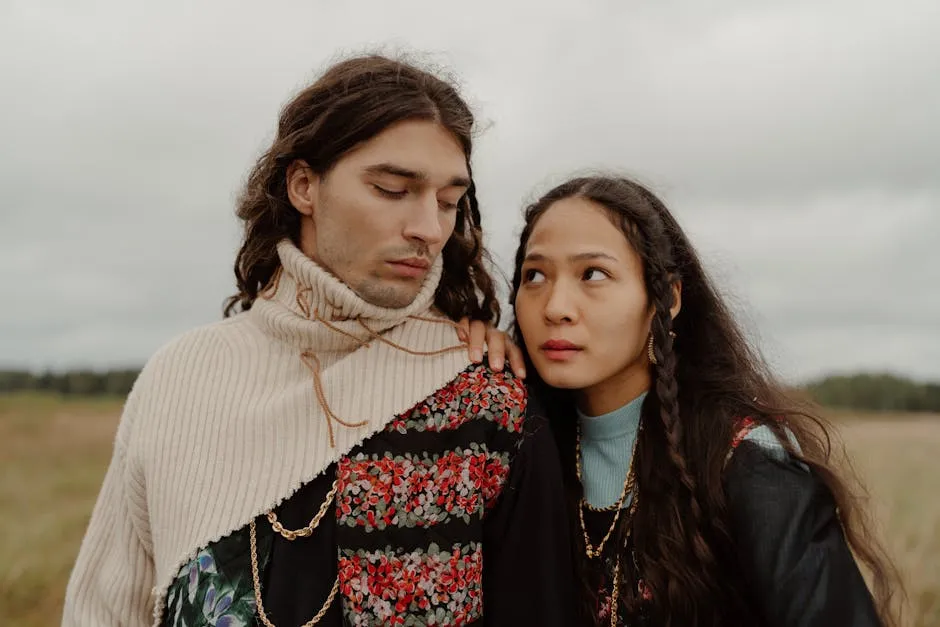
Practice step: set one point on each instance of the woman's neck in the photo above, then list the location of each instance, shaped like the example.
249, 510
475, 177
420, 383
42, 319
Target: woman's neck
615, 391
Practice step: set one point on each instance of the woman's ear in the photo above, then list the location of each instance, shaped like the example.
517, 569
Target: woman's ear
676, 299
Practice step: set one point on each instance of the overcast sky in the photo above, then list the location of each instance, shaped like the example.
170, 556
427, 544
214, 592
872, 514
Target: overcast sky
797, 141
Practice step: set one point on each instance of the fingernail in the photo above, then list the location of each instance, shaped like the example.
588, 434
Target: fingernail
497, 364
476, 354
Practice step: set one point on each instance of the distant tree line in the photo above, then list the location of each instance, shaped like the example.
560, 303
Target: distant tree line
876, 392
70, 382
869, 392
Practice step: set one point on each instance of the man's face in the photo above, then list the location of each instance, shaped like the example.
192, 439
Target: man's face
381, 216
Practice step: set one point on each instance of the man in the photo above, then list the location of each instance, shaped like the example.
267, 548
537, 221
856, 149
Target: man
328, 454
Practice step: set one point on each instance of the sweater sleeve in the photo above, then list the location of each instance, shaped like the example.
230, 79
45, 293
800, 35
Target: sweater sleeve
111, 582
790, 543
528, 575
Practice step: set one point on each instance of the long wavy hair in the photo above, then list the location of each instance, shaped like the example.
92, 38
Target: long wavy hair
704, 381
352, 102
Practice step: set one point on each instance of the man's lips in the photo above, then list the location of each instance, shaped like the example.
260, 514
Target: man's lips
414, 262
411, 268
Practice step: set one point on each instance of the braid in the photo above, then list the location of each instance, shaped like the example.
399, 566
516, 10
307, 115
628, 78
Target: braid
668, 393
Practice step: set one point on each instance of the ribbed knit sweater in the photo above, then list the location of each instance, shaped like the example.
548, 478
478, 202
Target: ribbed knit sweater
607, 445
227, 421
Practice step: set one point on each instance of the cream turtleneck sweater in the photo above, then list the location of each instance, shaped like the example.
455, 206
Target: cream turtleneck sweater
229, 420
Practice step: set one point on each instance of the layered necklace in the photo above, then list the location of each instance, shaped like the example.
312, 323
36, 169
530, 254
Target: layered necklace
291, 535
629, 487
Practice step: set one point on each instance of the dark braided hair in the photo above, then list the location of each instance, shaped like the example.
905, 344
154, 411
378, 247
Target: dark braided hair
352, 102
705, 379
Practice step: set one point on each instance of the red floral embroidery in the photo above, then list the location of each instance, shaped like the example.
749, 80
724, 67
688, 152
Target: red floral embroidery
476, 393
386, 587
413, 491
745, 426
604, 604
376, 491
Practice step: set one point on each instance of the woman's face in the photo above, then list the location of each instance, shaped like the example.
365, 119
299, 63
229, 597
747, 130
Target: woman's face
582, 306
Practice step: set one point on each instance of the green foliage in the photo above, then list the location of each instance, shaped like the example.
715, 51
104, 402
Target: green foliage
869, 392
876, 392
69, 383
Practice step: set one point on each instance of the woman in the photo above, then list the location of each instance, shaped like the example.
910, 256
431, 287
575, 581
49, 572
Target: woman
701, 492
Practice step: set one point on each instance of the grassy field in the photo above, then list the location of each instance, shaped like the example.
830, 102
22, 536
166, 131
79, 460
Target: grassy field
54, 453
899, 460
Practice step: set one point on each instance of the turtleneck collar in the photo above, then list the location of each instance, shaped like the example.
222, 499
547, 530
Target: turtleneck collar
327, 323
308, 306
608, 443
622, 422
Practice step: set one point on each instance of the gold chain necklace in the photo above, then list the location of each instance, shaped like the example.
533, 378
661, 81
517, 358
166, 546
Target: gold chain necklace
291, 534
615, 595
256, 579
628, 488
304, 532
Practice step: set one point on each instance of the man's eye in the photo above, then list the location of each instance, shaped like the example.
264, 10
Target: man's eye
390, 193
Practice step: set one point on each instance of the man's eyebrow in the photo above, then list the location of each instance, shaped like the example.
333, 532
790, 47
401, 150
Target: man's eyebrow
414, 175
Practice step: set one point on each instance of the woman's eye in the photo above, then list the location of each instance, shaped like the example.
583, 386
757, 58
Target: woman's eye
533, 276
594, 274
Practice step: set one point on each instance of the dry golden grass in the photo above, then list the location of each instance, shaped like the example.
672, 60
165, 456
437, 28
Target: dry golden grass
54, 454
898, 458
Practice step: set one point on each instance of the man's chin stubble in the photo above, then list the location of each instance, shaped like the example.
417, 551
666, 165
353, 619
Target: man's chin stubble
386, 296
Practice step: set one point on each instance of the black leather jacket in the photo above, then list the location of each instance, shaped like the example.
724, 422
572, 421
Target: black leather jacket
790, 544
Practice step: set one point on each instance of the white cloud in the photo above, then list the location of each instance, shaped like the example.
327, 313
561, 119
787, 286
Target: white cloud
798, 142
